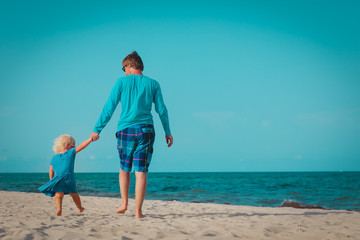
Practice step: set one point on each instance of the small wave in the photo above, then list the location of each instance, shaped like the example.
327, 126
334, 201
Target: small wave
197, 190
286, 185
294, 193
247, 195
341, 198
268, 201
170, 189
294, 204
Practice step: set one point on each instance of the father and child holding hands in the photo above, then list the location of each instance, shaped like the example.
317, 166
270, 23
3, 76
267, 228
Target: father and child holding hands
135, 138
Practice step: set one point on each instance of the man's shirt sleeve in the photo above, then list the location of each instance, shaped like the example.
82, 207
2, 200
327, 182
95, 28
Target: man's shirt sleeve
109, 107
160, 108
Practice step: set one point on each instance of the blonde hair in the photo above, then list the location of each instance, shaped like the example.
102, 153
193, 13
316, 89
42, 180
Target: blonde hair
62, 143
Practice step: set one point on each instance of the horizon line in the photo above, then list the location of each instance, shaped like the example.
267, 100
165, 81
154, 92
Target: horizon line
315, 171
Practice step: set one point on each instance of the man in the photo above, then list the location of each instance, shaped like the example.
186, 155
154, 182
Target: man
135, 132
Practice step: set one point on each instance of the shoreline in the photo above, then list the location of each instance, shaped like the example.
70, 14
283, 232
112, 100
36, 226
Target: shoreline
32, 216
259, 190
285, 203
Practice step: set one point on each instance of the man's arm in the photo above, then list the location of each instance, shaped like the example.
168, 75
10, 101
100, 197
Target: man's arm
108, 110
160, 108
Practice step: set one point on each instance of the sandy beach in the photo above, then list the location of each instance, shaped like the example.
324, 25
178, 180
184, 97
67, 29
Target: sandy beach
32, 216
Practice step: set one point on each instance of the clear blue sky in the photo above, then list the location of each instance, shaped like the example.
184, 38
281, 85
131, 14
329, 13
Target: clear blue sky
249, 85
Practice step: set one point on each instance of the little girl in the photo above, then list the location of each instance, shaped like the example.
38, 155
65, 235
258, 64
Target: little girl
62, 164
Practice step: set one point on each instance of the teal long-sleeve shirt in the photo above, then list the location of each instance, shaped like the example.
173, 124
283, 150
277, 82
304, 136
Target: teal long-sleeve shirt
136, 94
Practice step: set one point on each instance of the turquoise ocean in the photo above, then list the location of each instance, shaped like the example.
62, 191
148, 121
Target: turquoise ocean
334, 190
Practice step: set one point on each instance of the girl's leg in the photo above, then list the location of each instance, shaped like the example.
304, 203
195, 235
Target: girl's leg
58, 202
124, 181
77, 201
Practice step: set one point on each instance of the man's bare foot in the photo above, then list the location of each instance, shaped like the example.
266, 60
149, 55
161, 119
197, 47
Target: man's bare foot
121, 209
58, 213
139, 214
81, 210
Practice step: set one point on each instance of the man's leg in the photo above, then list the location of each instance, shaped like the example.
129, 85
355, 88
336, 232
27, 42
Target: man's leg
140, 191
124, 182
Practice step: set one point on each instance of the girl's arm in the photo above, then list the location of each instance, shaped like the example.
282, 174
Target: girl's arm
51, 172
83, 145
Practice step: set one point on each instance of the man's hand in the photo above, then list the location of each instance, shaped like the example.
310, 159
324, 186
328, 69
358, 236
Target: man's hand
94, 136
169, 140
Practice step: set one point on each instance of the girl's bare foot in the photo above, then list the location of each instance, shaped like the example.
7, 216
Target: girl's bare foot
122, 209
81, 210
58, 213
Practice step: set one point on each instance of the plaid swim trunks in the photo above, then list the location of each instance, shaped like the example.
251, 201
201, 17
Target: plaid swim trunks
135, 146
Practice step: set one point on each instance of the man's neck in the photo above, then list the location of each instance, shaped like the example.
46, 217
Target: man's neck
135, 72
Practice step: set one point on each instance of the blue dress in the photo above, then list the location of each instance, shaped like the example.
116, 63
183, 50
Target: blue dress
64, 178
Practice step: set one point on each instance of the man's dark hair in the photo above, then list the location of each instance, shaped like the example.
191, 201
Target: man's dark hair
134, 60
